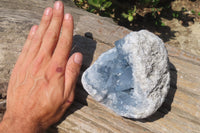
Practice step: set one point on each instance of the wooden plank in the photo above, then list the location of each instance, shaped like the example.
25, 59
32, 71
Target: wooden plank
179, 113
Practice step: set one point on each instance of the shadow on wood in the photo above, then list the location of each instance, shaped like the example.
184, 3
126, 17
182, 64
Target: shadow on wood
87, 46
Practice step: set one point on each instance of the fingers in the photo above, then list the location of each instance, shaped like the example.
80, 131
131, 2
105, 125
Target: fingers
71, 73
29, 38
27, 45
69, 100
37, 39
65, 41
53, 31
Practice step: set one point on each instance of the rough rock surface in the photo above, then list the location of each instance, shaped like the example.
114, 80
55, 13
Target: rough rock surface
133, 78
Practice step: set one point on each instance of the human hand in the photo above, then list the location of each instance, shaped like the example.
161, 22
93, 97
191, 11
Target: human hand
43, 80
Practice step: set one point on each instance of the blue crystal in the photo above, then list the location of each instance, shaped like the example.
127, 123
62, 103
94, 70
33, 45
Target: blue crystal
132, 78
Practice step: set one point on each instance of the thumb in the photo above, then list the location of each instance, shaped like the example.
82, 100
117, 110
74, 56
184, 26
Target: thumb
71, 73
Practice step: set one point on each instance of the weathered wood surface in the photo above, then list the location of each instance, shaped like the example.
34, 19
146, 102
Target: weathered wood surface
180, 112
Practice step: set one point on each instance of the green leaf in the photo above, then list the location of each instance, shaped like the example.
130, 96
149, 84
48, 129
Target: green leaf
94, 3
92, 10
130, 11
153, 9
174, 15
199, 13
156, 23
193, 11
124, 15
184, 9
107, 4
130, 18
177, 15
134, 10
162, 24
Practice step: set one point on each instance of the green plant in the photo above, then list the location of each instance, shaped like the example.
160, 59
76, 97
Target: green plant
155, 12
199, 13
193, 12
121, 11
150, 2
175, 15
79, 3
101, 5
130, 15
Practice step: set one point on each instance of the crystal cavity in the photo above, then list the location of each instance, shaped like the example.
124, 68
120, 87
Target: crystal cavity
132, 78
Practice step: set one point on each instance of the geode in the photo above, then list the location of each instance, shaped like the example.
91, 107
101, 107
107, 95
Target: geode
132, 78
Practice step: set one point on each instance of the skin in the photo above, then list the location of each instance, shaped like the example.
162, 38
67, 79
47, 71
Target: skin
43, 80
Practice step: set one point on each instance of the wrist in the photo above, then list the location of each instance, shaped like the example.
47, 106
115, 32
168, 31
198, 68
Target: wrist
19, 125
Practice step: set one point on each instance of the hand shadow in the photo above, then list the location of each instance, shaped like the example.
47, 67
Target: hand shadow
87, 46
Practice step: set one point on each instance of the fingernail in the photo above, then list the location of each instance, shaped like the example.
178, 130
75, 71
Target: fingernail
33, 29
78, 59
68, 16
47, 11
57, 5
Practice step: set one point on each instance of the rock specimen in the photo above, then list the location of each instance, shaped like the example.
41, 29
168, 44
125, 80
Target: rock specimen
133, 78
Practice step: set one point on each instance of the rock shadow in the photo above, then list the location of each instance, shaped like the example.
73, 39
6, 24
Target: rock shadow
182, 16
87, 46
152, 20
148, 22
166, 106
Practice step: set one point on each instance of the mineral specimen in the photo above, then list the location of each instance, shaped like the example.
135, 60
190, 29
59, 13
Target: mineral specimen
133, 78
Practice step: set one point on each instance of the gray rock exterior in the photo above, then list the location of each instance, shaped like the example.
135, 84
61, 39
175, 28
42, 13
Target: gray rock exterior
133, 78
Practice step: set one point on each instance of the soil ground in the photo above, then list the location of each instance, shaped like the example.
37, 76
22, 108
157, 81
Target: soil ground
182, 31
